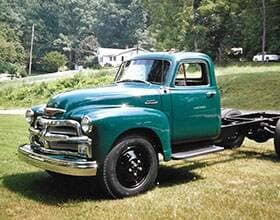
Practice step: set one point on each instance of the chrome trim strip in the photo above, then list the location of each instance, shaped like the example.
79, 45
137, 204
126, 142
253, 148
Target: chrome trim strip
60, 137
57, 152
68, 166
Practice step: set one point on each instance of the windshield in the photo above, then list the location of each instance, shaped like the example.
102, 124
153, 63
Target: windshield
147, 71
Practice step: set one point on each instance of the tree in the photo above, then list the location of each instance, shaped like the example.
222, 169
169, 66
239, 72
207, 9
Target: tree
76, 27
118, 23
53, 60
213, 26
11, 50
165, 22
12, 55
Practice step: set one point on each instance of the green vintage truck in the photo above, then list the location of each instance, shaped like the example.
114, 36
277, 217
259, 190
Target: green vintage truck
164, 104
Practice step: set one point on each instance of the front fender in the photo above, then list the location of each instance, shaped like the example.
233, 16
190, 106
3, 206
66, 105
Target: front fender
110, 123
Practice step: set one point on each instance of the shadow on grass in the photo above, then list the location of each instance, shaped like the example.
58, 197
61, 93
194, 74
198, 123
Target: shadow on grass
268, 155
41, 187
237, 154
170, 175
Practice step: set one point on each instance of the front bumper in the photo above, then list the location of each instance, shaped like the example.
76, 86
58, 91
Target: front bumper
58, 163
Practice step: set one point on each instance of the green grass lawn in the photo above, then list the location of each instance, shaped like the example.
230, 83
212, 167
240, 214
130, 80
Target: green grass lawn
250, 87
233, 184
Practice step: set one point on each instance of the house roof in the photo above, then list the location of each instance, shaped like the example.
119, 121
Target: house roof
115, 52
132, 49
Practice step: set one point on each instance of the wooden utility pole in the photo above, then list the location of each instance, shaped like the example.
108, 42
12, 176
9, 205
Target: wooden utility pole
195, 6
264, 29
31, 49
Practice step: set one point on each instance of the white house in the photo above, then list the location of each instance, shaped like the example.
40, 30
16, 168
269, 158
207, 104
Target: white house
115, 57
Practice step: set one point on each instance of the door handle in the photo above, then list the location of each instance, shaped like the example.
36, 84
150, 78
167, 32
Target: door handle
210, 94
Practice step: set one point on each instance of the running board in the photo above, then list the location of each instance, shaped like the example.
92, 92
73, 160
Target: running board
196, 152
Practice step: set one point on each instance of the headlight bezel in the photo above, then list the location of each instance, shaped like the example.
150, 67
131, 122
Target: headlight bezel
86, 124
29, 116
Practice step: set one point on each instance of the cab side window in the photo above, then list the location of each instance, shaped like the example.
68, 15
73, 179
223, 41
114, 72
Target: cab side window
192, 74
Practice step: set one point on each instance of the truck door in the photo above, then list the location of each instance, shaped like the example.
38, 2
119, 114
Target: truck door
195, 102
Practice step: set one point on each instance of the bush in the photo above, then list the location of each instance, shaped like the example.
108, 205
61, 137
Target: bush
52, 61
5, 67
108, 65
21, 71
12, 69
91, 62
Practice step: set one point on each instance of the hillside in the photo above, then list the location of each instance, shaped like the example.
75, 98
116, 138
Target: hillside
250, 87
243, 87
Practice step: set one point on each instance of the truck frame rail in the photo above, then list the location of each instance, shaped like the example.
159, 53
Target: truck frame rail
258, 126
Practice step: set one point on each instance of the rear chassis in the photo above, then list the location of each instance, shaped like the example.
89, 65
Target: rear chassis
258, 126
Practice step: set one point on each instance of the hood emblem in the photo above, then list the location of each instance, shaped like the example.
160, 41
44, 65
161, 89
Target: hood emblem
151, 102
53, 111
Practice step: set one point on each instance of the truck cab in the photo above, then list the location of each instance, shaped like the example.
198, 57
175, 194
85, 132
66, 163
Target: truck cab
187, 89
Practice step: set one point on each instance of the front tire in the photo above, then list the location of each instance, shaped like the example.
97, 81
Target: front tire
130, 168
277, 139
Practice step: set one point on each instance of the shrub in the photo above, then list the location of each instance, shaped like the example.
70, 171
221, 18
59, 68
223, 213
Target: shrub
21, 71
5, 67
52, 61
13, 69
108, 65
91, 62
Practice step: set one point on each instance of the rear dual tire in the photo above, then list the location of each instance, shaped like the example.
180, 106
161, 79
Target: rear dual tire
235, 138
277, 139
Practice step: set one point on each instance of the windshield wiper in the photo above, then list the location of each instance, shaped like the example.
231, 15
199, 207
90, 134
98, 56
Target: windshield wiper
134, 80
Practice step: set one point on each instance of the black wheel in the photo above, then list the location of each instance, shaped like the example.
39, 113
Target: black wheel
130, 168
277, 139
235, 138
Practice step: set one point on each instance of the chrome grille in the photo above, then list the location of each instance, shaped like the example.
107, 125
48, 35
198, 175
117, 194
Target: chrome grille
58, 136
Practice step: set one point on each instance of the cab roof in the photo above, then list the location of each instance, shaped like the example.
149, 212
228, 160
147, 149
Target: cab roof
175, 57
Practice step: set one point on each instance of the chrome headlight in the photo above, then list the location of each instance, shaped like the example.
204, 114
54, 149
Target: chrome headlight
29, 116
86, 124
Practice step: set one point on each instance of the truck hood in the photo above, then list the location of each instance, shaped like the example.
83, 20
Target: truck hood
132, 94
